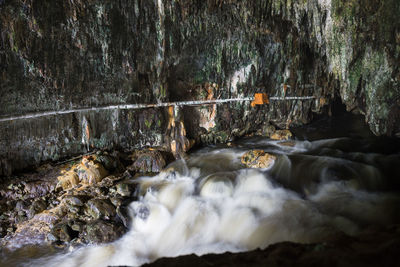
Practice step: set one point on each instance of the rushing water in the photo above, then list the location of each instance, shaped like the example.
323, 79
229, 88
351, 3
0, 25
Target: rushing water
210, 203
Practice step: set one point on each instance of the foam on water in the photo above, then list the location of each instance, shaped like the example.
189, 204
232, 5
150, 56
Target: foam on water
211, 204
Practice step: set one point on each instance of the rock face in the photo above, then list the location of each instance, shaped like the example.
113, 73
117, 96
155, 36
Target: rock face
72, 54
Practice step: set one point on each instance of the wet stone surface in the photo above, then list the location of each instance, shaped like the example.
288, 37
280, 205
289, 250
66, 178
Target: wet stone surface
257, 159
80, 202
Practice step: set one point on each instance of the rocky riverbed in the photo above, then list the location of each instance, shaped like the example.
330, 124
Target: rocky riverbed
81, 201
336, 198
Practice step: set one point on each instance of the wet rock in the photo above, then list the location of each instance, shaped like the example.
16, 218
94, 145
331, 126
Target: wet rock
126, 188
63, 232
100, 231
36, 207
266, 130
281, 135
148, 161
100, 208
257, 159
123, 189
29, 233
38, 188
75, 200
109, 181
12, 191
28, 222
20, 218
75, 243
22, 205
123, 215
77, 225
110, 162
74, 203
68, 179
117, 201
50, 216
88, 172
287, 143
122, 209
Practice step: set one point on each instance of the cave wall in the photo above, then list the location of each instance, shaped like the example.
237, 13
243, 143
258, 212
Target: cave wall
58, 55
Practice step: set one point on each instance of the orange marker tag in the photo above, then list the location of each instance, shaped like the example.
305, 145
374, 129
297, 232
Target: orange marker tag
260, 99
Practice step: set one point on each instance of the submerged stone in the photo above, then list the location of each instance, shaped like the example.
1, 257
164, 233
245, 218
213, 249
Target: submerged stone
287, 143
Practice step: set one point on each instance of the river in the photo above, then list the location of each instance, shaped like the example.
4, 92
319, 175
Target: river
328, 180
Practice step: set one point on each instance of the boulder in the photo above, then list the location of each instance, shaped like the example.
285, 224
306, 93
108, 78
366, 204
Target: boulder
148, 161
281, 135
257, 159
36, 207
29, 233
68, 179
63, 232
125, 189
88, 172
110, 162
75, 200
100, 208
100, 231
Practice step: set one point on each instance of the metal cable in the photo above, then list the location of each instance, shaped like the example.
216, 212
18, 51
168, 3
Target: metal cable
142, 106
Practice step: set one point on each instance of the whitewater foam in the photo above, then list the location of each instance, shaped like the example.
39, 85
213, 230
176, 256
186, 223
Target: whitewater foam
210, 204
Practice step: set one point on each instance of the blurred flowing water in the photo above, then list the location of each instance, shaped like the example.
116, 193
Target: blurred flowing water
210, 203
